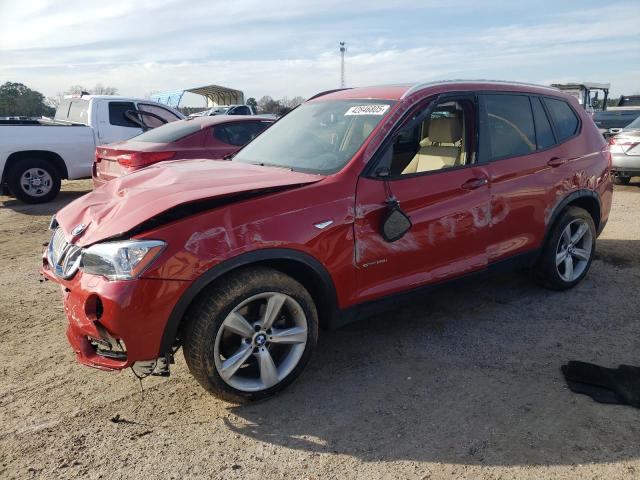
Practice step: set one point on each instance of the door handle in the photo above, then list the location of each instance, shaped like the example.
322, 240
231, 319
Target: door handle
474, 183
557, 161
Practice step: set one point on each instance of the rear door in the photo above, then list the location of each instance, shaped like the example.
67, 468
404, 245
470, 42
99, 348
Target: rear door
446, 197
527, 167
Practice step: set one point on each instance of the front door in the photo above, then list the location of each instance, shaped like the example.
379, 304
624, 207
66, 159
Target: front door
434, 174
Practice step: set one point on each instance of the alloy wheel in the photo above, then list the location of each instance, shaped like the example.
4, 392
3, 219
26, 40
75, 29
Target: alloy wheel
260, 341
574, 250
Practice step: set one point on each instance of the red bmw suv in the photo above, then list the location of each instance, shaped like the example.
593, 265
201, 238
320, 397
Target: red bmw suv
355, 198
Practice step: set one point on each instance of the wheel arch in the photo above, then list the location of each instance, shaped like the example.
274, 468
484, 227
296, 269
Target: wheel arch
586, 199
52, 157
301, 266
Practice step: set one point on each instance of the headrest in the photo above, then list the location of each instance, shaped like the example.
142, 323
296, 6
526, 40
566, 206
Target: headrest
445, 129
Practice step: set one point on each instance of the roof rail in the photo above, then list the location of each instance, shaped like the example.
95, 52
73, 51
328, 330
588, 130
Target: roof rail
420, 86
327, 92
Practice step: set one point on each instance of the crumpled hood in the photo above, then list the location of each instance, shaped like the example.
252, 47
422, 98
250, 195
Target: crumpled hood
126, 202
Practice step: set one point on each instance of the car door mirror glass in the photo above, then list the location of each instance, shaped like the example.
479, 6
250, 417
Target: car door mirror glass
395, 225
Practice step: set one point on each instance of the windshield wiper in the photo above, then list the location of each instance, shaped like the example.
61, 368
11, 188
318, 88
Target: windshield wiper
262, 164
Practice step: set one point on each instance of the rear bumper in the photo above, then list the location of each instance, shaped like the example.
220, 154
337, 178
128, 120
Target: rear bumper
625, 165
130, 314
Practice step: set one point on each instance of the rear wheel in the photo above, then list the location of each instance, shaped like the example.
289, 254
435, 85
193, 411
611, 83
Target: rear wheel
251, 335
34, 180
567, 256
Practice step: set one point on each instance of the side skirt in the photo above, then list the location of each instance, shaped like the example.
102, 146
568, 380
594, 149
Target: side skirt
362, 310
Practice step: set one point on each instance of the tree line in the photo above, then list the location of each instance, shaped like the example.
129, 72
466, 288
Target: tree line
267, 104
18, 100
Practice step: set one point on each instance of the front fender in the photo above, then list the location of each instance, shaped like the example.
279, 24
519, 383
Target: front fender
264, 255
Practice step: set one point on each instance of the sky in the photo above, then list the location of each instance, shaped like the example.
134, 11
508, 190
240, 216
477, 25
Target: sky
290, 48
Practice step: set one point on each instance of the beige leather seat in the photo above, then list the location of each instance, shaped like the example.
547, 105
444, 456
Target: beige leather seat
433, 155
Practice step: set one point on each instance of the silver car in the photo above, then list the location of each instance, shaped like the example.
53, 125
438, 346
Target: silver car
625, 153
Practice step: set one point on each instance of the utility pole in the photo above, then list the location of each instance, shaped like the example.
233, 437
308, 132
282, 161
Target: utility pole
342, 50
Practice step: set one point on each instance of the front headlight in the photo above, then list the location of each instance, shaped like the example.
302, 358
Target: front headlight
120, 260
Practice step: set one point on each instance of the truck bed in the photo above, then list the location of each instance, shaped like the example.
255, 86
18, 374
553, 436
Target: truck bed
40, 122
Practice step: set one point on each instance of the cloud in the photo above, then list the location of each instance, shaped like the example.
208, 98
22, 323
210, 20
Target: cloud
290, 47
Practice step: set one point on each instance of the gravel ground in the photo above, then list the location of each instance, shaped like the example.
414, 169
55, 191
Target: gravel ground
465, 384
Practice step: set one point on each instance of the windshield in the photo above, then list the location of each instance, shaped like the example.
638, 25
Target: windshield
317, 137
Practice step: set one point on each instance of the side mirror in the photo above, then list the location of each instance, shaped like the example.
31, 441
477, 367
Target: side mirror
396, 223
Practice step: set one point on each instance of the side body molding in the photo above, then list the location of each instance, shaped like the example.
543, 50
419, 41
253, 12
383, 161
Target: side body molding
321, 276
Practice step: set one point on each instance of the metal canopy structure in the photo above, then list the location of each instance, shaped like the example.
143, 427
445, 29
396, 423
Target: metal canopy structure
589, 85
215, 95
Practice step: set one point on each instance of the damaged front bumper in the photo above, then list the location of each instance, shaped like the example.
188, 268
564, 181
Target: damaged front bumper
114, 325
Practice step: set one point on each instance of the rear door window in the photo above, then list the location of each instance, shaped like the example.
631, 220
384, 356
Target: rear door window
240, 133
544, 133
240, 110
510, 125
117, 115
564, 118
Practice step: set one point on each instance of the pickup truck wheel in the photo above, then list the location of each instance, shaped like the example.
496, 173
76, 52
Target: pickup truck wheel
567, 256
250, 335
34, 180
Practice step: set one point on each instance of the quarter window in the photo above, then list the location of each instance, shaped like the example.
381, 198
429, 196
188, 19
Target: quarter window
564, 118
544, 133
510, 125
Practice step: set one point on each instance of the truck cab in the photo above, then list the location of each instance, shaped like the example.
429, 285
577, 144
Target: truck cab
587, 94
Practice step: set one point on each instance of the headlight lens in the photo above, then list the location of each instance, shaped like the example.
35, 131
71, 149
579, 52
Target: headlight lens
121, 260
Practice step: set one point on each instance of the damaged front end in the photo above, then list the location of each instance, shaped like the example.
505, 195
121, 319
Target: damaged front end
115, 318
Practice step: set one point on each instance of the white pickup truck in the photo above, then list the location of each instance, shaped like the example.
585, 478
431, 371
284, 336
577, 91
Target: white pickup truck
36, 154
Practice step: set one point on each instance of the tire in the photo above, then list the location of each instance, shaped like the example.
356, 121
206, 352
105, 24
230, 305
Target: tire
209, 343
37, 168
552, 270
621, 180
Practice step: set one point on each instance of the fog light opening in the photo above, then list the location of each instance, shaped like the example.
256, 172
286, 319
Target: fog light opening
93, 308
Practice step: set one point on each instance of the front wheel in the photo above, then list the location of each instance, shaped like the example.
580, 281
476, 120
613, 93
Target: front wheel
250, 335
567, 256
34, 180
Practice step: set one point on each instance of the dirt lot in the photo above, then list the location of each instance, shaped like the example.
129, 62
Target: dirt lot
466, 384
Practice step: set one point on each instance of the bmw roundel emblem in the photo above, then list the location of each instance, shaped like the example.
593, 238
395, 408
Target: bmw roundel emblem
78, 229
